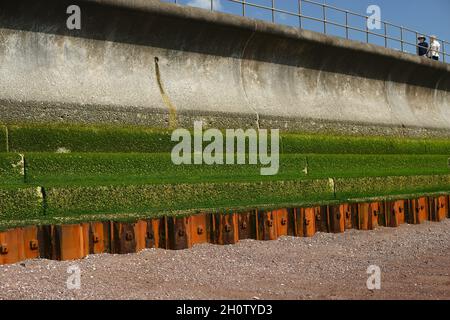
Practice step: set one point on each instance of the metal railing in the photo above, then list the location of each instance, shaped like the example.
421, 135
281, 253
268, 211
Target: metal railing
325, 9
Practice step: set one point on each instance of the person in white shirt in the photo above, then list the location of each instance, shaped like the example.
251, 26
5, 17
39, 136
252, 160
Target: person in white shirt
435, 48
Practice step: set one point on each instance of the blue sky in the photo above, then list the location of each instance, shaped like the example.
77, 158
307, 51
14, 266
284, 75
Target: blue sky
426, 16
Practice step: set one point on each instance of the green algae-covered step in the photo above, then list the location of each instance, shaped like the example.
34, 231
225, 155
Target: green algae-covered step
30, 203
12, 168
357, 165
3, 139
146, 167
365, 187
338, 144
73, 138
43, 168
21, 202
83, 138
157, 198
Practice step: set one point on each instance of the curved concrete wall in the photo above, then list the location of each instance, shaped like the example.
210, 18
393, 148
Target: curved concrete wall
145, 62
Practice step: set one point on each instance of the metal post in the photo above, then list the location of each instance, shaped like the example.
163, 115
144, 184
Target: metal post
401, 38
367, 29
273, 11
300, 13
243, 8
346, 24
385, 35
324, 19
212, 5
417, 45
443, 51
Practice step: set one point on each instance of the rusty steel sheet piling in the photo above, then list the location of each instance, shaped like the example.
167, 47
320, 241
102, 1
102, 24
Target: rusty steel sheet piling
336, 218
200, 228
395, 213
267, 229
123, 238
156, 236
225, 229
247, 225
10, 244
285, 222
419, 210
99, 237
321, 219
438, 208
76, 241
448, 206
367, 215
178, 233
305, 222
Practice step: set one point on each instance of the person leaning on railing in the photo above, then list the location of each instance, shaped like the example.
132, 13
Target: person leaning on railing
422, 47
435, 48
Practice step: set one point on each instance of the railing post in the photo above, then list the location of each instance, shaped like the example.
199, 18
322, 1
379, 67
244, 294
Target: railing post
385, 35
367, 29
444, 54
243, 8
401, 38
324, 19
300, 13
212, 5
346, 24
417, 45
273, 11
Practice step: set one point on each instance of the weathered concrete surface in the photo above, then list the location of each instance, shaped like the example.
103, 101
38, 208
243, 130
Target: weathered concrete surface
151, 63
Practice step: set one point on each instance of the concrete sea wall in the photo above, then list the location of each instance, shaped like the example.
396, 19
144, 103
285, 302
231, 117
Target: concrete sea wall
162, 65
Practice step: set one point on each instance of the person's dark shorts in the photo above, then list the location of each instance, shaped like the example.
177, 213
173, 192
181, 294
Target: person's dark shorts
435, 58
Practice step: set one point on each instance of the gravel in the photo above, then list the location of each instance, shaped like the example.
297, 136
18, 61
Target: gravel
414, 262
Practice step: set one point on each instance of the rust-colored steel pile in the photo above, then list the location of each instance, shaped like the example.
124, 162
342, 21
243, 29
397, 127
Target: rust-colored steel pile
69, 242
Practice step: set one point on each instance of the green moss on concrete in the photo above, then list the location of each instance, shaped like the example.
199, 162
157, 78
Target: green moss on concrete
356, 165
347, 188
153, 198
47, 138
77, 138
150, 168
71, 204
20, 202
6, 224
3, 139
118, 172
101, 168
305, 143
12, 169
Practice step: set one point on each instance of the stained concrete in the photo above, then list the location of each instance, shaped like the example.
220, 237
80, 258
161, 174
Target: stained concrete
137, 62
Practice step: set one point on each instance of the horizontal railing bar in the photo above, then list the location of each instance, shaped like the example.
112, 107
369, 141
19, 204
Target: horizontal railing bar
336, 8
